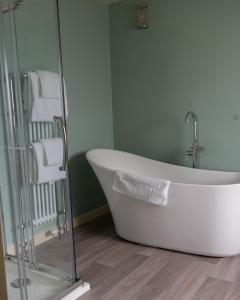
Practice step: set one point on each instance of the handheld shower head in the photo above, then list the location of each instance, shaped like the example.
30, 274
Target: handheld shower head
192, 115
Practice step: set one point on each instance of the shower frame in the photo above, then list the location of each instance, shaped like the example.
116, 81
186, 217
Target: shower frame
18, 147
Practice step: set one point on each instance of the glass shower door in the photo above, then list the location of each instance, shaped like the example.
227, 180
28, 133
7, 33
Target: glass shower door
40, 239
11, 206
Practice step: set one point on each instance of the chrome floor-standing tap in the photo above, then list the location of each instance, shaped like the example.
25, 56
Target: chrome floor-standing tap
196, 148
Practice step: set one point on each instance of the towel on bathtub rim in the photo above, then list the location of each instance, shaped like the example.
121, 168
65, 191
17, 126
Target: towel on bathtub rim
149, 189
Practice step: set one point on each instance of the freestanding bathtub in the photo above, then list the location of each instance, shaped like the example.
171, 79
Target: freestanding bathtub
203, 211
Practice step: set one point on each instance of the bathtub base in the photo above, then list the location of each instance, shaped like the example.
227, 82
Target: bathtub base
185, 251
188, 250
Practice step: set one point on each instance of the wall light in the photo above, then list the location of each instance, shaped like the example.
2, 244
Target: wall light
142, 15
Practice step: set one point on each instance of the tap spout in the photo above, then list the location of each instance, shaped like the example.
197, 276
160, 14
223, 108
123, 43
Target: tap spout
196, 148
192, 115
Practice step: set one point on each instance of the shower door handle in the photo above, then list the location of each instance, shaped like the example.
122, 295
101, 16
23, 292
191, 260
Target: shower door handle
65, 145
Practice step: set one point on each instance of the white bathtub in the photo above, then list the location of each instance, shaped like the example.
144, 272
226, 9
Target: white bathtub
203, 211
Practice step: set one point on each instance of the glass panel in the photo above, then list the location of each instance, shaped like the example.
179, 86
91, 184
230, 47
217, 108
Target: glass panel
36, 217
9, 184
38, 49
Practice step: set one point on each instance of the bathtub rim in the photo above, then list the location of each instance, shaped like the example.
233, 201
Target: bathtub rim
88, 153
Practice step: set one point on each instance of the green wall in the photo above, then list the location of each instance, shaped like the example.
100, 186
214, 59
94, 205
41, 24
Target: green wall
86, 59
36, 50
188, 59
87, 72
86, 62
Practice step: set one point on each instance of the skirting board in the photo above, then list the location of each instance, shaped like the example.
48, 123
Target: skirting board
90, 216
78, 221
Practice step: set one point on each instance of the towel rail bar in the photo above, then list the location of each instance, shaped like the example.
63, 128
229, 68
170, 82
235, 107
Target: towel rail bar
64, 132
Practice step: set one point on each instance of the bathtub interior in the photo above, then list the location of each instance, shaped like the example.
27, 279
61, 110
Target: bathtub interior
131, 163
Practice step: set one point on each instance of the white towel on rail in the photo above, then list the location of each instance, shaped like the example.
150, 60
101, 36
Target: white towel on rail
149, 189
52, 151
40, 109
41, 173
50, 86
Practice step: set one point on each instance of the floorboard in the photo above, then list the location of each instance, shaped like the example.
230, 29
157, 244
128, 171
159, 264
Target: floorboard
117, 269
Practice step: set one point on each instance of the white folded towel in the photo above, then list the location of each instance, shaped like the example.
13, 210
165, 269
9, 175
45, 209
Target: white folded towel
41, 173
52, 151
149, 189
41, 109
49, 84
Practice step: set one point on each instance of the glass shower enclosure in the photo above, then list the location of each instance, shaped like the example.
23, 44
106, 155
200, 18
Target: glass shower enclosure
36, 217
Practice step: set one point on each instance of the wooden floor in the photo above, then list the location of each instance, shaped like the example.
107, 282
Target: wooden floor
117, 269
